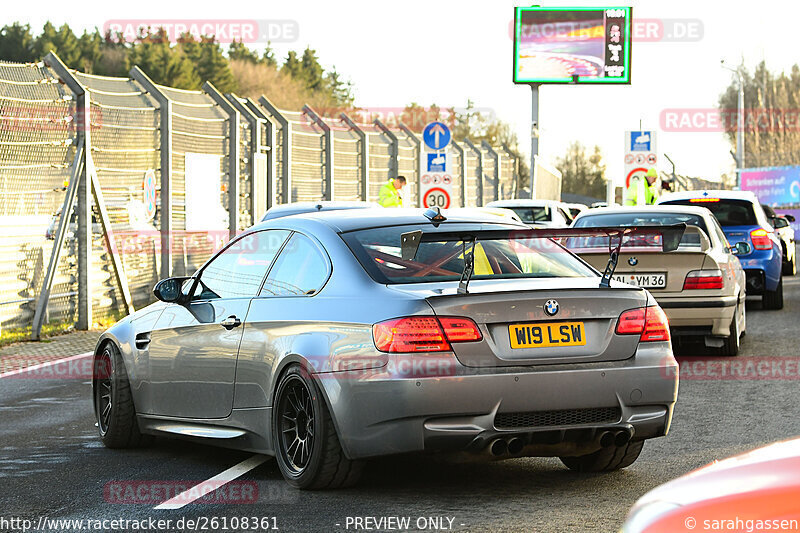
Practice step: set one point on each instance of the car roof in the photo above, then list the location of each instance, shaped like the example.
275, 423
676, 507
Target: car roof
683, 209
709, 193
349, 220
524, 202
285, 210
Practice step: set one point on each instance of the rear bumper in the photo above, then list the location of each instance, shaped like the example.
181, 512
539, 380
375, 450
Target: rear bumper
762, 269
387, 413
715, 313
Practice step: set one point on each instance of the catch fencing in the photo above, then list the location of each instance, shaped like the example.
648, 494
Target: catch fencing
110, 184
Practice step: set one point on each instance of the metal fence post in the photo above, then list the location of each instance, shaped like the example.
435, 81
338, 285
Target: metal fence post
363, 155
462, 172
259, 183
478, 171
269, 144
286, 156
328, 161
394, 164
488, 147
84, 193
417, 157
515, 167
233, 156
165, 149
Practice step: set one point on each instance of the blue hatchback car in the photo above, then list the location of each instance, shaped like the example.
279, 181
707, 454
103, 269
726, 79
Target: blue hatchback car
743, 220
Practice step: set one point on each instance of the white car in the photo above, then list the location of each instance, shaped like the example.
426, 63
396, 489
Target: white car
542, 213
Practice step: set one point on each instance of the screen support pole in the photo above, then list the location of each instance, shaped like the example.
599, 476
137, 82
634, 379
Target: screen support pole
534, 133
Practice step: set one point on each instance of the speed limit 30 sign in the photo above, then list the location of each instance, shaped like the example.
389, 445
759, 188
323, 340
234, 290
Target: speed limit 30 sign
436, 197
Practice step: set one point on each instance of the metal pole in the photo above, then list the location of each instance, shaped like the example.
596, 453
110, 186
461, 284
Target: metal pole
363, 155
165, 170
286, 148
233, 156
534, 132
488, 147
84, 193
258, 186
740, 129
418, 157
328, 154
269, 145
462, 171
478, 172
394, 162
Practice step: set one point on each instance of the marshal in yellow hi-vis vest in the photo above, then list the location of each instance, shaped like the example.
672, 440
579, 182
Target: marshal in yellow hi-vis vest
389, 195
641, 190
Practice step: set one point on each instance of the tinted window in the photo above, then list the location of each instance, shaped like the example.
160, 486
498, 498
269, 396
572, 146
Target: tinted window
237, 272
729, 212
644, 218
532, 214
379, 252
301, 269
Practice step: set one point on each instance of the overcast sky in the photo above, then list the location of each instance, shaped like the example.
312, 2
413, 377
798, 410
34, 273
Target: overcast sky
446, 52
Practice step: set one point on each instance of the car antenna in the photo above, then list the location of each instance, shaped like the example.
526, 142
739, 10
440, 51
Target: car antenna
469, 265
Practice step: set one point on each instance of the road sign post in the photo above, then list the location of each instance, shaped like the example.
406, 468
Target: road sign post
436, 175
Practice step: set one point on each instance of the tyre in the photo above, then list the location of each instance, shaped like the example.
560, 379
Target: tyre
730, 346
773, 299
307, 448
113, 403
605, 459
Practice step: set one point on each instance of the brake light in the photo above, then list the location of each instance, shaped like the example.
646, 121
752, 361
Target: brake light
423, 333
760, 238
460, 329
650, 323
703, 279
701, 200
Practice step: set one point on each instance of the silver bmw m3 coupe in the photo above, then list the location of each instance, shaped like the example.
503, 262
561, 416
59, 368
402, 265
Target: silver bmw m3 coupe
327, 338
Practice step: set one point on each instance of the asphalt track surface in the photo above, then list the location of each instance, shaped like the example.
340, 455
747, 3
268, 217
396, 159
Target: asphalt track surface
52, 465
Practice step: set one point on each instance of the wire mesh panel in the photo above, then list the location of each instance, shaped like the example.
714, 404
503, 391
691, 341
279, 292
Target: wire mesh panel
471, 161
508, 176
490, 182
246, 215
346, 164
37, 135
308, 146
380, 146
124, 147
199, 126
408, 166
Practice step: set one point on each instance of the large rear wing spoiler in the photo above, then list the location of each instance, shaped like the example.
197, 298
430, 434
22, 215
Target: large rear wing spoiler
670, 239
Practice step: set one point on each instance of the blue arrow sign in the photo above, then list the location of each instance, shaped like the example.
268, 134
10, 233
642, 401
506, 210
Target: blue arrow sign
436, 135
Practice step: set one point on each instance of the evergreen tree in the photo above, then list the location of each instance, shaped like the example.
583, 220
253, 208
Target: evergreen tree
582, 173
16, 43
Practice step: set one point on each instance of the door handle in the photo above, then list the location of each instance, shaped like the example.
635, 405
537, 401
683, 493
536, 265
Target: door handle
231, 322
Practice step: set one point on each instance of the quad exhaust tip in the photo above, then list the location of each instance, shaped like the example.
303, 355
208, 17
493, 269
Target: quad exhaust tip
498, 447
515, 445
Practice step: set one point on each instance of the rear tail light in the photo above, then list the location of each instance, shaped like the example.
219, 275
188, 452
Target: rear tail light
423, 333
703, 279
760, 239
650, 323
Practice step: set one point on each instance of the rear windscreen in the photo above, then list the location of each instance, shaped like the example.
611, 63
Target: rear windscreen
644, 218
729, 212
529, 215
378, 250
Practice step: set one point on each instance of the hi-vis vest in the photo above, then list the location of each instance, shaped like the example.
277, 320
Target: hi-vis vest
389, 196
640, 192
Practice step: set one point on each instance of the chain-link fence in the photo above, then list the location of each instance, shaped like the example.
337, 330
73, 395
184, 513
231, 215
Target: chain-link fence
174, 174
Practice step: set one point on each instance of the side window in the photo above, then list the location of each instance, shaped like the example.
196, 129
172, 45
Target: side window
301, 269
721, 235
237, 272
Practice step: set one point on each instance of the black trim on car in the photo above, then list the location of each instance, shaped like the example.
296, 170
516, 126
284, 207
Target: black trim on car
695, 305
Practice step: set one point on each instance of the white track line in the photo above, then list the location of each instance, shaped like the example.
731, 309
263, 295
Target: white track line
44, 365
212, 484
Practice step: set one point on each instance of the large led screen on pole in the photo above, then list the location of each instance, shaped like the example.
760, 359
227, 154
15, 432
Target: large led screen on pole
572, 45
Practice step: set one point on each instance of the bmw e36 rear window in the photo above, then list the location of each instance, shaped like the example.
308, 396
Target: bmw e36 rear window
379, 252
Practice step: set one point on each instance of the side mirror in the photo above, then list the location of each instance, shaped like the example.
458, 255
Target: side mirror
741, 248
169, 290
790, 218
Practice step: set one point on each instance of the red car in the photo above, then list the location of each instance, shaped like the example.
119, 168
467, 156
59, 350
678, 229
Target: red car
755, 491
